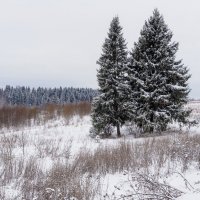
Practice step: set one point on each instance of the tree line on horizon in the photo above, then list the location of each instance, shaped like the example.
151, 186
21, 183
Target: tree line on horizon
26, 96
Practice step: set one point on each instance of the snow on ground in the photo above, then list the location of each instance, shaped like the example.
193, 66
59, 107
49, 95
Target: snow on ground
76, 135
190, 196
188, 183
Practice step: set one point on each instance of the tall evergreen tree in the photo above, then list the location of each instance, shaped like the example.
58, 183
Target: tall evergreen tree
107, 108
157, 80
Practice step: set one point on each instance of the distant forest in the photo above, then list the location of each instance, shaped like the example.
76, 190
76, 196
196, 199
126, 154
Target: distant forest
26, 96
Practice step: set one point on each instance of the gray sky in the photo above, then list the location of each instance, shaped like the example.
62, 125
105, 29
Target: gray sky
54, 43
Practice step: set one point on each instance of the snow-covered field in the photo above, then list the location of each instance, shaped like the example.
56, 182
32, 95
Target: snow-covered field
61, 161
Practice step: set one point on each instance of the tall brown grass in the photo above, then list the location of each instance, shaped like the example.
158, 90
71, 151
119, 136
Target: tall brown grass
26, 116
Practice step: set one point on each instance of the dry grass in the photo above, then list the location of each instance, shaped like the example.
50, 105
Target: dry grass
17, 116
170, 151
79, 176
64, 181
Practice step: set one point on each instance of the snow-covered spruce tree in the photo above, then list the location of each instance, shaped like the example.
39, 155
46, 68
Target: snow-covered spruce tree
157, 80
108, 108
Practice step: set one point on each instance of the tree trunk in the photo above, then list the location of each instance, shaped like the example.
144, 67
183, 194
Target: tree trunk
118, 130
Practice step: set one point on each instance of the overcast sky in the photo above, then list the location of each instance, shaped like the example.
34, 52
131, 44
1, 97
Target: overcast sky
53, 43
